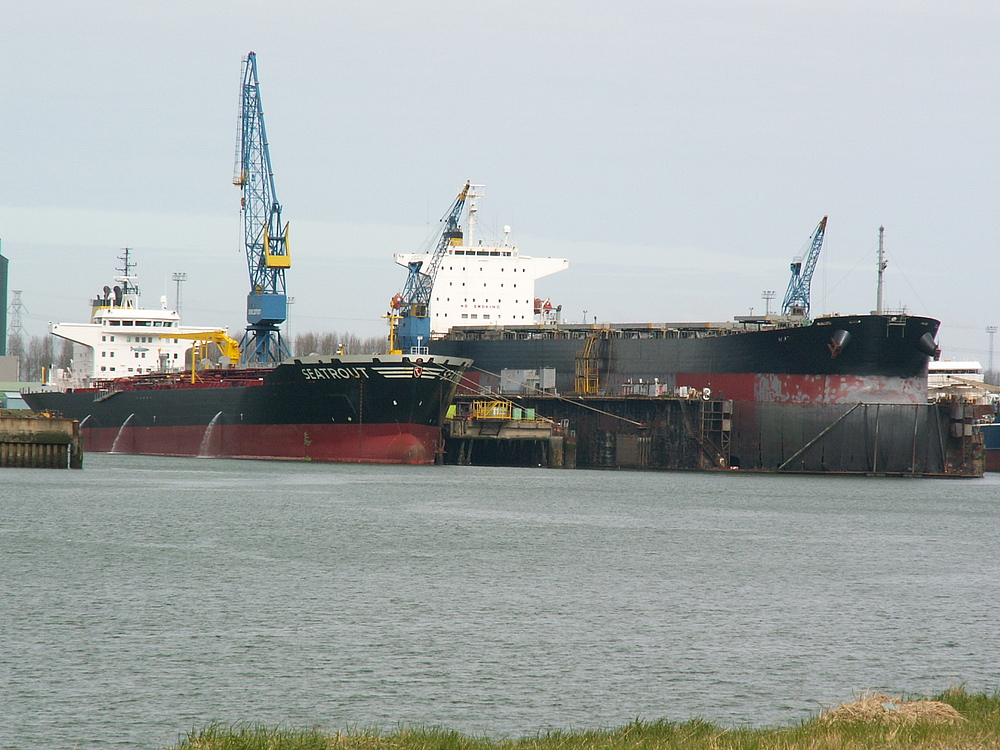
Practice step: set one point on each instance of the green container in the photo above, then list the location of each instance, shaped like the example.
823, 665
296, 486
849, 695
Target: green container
517, 413
529, 414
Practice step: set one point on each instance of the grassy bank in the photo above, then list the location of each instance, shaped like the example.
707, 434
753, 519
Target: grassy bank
955, 719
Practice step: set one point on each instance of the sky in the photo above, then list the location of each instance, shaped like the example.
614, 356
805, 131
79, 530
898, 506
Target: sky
679, 153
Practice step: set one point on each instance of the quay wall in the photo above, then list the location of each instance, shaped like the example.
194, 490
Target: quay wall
40, 442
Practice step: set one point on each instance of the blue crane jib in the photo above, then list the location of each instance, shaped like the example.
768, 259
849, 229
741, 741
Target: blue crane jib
796, 300
410, 323
265, 237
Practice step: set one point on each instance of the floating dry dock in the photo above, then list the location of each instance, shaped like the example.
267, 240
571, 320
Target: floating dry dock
665, 432
590, 432
39, 442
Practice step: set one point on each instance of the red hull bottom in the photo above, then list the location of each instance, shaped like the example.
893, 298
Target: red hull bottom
371, 443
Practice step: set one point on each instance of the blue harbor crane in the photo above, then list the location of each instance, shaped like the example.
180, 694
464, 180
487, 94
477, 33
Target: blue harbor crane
409, 321
265, 237
797, 295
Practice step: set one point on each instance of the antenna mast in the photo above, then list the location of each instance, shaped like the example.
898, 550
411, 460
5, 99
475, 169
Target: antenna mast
881, 270
126, 270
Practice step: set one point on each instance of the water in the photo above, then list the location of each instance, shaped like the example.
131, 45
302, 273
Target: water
143, 597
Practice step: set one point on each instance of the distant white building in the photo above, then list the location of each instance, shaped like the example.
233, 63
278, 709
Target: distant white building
483, 283
939, 374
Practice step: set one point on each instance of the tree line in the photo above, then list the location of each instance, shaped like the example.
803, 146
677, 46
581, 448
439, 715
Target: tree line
337, 343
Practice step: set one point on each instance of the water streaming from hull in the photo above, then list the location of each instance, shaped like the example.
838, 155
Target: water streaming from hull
206, 441
121, 431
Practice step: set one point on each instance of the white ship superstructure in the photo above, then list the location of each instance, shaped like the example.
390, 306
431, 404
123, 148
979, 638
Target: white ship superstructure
122, 338
482, 283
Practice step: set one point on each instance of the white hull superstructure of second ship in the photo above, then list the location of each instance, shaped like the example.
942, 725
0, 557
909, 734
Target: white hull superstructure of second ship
483, 282
122, 338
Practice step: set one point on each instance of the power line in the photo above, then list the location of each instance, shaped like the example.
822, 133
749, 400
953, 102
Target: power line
15, 330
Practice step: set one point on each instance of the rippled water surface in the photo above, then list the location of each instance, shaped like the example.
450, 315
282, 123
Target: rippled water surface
143, 597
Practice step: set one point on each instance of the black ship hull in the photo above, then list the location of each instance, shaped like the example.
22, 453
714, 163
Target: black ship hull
834, 360
382, 409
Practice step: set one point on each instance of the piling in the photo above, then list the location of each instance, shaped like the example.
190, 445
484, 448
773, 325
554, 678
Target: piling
39, 441
495, 432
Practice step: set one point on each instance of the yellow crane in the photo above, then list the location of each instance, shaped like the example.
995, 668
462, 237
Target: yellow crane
228, 346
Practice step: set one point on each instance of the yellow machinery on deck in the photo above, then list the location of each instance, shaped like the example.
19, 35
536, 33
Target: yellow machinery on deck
229, 347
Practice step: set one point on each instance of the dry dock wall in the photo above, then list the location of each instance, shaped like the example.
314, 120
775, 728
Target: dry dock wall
889, 439
628, 432
672, 433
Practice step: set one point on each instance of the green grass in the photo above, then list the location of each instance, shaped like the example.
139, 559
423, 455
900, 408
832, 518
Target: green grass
981, 731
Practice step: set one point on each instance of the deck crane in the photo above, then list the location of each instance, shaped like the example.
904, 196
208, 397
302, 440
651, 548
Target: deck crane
797, 295
266, 239
409, 321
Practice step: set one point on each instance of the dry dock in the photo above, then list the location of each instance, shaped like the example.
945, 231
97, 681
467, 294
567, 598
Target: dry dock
39, 442
667, 432
631, 432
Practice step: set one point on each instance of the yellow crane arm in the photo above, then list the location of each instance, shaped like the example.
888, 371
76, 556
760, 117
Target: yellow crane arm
230, 347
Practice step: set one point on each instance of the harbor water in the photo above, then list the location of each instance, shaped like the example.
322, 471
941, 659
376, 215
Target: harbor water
144, 597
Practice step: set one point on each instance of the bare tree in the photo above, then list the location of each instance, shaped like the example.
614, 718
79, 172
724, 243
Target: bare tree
39, 354
65, 358
15, 347
327, 344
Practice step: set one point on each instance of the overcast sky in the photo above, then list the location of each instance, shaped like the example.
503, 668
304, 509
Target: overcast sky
678, 153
